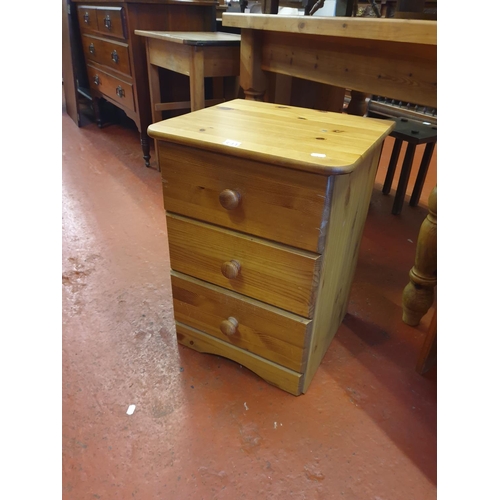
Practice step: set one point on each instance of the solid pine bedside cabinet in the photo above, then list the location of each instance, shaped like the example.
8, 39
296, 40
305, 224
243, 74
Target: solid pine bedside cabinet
265, 208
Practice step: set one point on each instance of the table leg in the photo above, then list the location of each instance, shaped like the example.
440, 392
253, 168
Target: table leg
358, 105
154, 89
404, 177
391, 169
156, 116
418, 295
422, 172
197, 79
252, 79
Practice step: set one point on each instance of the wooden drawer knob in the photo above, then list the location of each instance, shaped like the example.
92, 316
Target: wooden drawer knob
229, 326
231, 269
229, 199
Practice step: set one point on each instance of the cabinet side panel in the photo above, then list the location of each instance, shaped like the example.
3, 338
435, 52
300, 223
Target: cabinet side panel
350, 202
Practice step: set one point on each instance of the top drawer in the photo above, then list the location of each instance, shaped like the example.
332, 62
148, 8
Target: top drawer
275, 203
110, 21
106, 20
87, 17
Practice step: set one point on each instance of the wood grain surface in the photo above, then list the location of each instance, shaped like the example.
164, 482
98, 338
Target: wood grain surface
275, 203
193, 38
267, 331
395, 69
350, 202
392, 30
303, 139
281, 276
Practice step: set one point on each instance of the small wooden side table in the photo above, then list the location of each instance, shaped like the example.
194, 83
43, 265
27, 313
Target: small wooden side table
194, 54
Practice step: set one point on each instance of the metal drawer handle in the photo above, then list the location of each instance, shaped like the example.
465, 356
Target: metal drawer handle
229, 326
97, 81
86, 18
120, 92
107, 22
114, 56
92, 48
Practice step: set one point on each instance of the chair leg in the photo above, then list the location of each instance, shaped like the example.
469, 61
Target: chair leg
403, 179
392, 166
422, 173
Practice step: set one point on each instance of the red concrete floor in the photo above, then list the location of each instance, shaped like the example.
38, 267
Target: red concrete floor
205, 427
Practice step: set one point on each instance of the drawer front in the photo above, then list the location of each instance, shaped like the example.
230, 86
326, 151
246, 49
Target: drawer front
275, 203
280, 276
110, 21
253, 326
87, 17
114, 88
109, 53
282, 377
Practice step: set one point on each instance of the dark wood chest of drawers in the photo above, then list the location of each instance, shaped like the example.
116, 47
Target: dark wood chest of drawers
116, 58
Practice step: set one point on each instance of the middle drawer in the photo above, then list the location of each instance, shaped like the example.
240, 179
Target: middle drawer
284, 277
112, 54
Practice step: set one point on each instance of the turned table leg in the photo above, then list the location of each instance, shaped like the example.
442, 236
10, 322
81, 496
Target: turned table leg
418, 295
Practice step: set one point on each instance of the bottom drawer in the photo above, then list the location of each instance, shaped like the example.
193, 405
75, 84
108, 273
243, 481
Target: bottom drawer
277, 375
272, 333
112, 87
